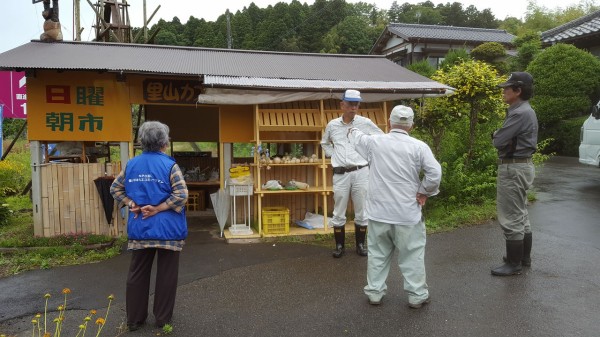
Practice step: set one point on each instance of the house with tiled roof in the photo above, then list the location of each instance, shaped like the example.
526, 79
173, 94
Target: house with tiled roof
583, 33
405, 43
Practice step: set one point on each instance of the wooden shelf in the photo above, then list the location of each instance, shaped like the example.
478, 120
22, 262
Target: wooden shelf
326, 190
288, 141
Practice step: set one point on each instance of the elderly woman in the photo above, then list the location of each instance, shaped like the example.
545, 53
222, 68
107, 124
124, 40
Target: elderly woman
152, 186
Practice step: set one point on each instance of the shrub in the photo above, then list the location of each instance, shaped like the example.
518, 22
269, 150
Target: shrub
422, 68
454, 57
567, 133
567, 74
12, 179
5, 214
488, 52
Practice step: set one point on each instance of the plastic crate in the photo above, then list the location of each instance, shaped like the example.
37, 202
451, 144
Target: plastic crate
276, 220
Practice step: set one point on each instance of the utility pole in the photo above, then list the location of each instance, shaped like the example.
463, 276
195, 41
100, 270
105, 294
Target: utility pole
77, 20
228, 30
145, 25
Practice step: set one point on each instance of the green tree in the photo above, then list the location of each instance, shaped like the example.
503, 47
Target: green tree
351, 36
528, 46
476, 93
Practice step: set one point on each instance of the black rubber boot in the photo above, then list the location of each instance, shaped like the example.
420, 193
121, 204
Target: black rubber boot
526, 261
527, 242
360, 232
514, 254
340, 238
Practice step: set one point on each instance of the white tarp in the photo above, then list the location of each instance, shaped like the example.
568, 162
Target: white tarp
249, 97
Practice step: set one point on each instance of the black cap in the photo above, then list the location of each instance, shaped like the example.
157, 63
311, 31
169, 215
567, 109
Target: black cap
518, 79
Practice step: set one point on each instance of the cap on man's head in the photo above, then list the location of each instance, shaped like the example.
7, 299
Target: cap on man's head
352, 96
518, 79
402, 115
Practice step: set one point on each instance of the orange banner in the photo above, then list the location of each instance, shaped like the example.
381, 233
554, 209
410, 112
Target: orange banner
78, 106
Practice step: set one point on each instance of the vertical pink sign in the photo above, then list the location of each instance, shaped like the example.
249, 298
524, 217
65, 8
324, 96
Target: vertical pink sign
13, 94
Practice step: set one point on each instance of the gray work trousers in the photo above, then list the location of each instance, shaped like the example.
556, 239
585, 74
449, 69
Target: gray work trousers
513, 181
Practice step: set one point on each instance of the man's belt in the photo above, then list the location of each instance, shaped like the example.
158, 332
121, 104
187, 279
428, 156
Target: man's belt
514, 160
342, 170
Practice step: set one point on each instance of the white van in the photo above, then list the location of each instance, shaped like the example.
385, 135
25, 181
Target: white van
589, 149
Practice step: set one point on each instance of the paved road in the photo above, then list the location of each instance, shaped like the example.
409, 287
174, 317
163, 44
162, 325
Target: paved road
299, 290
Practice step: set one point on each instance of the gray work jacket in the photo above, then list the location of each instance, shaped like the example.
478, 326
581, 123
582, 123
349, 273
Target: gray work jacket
517, 138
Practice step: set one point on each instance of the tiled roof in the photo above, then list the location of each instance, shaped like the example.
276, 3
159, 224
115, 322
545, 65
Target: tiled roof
582, 27
188, 61
416, 31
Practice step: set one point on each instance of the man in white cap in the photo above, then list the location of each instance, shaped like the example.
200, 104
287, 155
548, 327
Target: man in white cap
350, 171
394, 201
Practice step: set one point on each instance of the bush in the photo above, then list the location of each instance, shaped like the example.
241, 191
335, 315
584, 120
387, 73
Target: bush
12, 179
488, 52
422, 68
564, 73
552, 109
5, 214
567, 133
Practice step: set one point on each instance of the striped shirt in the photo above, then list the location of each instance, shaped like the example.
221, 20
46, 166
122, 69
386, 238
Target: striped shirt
176, 201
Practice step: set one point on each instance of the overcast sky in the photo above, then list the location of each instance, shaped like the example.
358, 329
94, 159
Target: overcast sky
21, 21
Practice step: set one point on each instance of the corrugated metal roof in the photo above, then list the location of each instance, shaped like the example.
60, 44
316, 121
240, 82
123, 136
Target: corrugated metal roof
412, 31
256, 82
187, 61
584, 26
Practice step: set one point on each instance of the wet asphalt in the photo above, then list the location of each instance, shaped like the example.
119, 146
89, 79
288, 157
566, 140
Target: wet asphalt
292, 289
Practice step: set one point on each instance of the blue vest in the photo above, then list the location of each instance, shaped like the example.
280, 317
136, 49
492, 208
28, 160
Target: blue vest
148, 182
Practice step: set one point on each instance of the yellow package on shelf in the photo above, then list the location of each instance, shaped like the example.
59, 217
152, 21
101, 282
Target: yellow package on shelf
276, 220
239, 171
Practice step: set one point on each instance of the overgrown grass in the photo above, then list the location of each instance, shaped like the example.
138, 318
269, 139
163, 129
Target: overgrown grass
49, 252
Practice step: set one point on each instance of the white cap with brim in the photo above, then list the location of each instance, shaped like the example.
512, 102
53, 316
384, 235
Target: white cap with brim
352, 96
402, 115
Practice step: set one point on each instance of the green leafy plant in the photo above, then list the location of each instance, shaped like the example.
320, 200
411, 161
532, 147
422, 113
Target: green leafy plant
167, 329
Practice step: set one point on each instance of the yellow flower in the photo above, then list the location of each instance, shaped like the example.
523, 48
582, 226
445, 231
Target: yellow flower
66, 291
61, 308
111, 297
33, 321
88, 318
82, 326
100, 321
92, 312
47, 296
47, 334
38, 315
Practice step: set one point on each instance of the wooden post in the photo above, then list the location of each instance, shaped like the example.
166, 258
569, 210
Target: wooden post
35, 150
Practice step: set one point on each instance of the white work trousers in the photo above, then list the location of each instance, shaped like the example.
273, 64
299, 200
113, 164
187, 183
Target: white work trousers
383, 239
353, 184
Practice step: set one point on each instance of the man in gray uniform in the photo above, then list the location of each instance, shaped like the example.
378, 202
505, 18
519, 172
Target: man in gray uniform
516, 141
350, 171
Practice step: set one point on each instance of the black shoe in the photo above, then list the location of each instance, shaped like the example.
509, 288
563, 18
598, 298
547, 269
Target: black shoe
361, 250
134, 326
339, 251
526, 260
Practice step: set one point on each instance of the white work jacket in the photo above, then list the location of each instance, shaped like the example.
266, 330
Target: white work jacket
336, 145
396, 161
